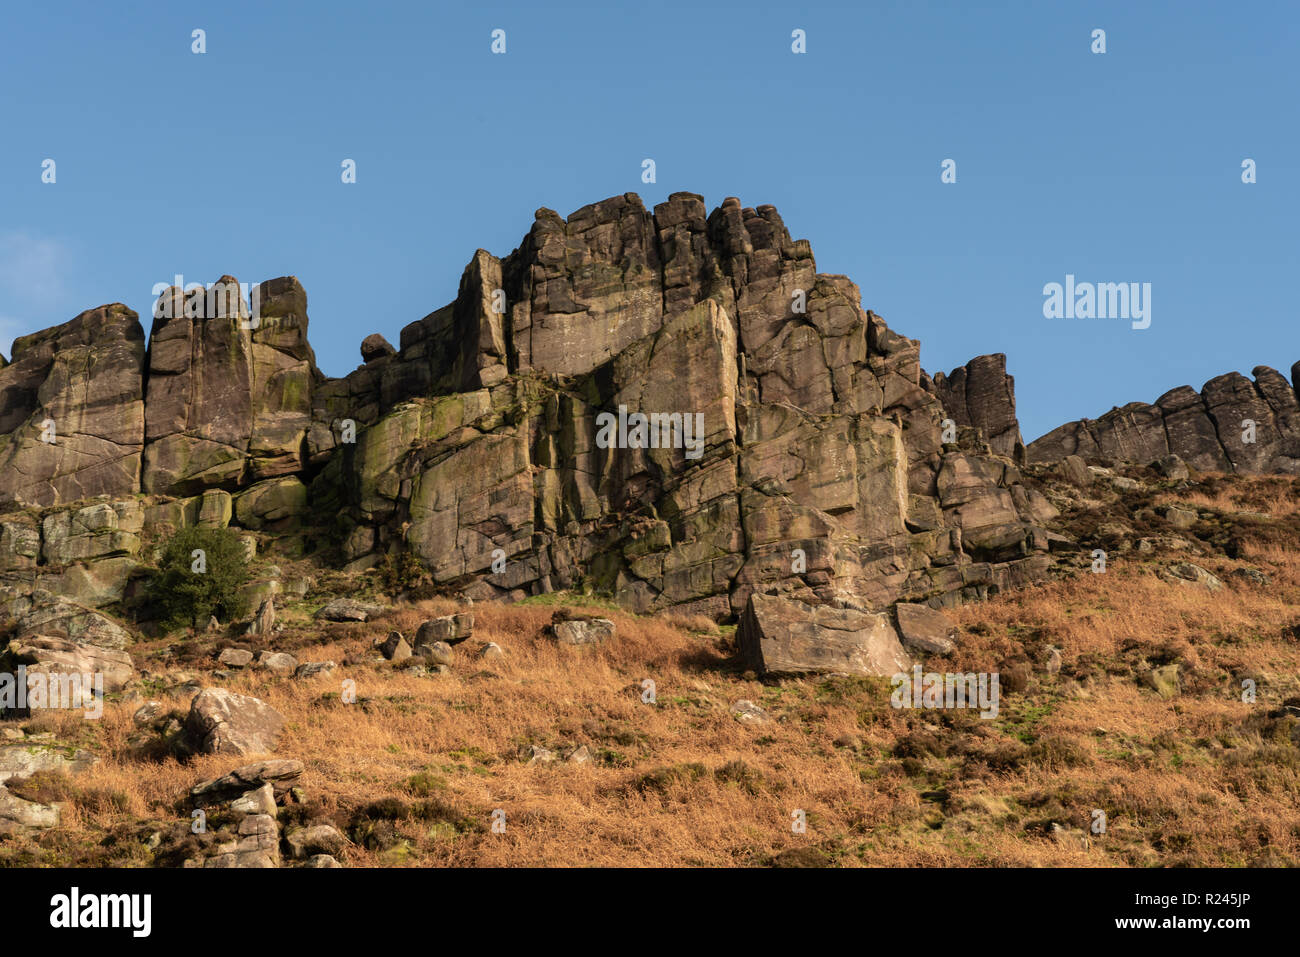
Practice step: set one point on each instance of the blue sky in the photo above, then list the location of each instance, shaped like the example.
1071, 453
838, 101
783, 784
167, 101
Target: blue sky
1115, 167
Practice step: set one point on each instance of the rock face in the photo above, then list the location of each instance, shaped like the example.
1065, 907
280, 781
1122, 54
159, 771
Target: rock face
779, 636
671, 406
229, 393
981, 395
72, 410
1231, 425
500, 444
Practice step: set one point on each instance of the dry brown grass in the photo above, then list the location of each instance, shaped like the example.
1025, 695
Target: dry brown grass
1201, 779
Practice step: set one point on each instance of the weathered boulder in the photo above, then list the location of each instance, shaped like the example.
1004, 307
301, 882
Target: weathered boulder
453, 629
1185, 573
592, 631
436, 652
780, 636
264, 621
925, 630
314, 669
222, 722
277, 661
395, 648
235, 657
16, 811
58, 656
43, 613
281, 774
272, 503
305, 842
20, 760
346, 609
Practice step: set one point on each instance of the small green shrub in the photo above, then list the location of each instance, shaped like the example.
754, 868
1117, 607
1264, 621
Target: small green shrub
185, 596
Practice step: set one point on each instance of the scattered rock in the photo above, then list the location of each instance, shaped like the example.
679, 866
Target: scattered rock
491, 652
1075, 469
540, 755
321, 860
20, 760
782, 636
17, 811
746, 712
437, 653
235, 657
1252, 575
345, 609
1181, 518
222, 722
1173, 468
1163, 680
1185, 573
452, 629
308, 842
394, 647
277, 661
282, 774
581, 631
264, 621
312, 669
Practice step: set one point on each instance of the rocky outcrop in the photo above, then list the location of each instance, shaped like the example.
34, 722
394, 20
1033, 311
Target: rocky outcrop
982, 396
814, 466
1231, 425
72, 410
671, 406
229, 393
